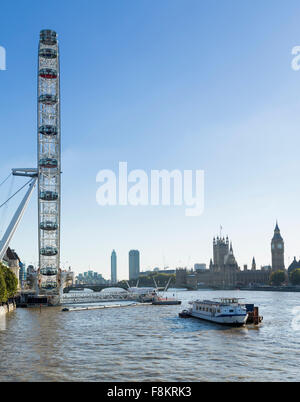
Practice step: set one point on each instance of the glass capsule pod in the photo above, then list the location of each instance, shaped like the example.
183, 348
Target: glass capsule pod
48, 195
48, 99
48, 163
49, 73
48, 130
48, 53
48, 37
49, 251
49, 285
48, 271
48, 225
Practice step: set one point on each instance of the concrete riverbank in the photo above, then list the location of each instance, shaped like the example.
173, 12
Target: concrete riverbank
273, 289
7, 308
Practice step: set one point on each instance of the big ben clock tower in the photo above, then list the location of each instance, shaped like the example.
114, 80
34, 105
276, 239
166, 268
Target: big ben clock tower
277, 249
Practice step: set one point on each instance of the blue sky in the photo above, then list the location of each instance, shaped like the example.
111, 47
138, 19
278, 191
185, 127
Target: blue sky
171, 84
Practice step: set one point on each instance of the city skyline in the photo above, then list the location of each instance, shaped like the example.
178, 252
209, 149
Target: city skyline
222, 253
277, 257
205, 105
276, 247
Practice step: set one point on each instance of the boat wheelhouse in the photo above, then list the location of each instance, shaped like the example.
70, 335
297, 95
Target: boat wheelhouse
48, 163
48, 225
48, 53
48, 37
48, 195
48, 271
48, 73
226, 311
48, 99
49, 251
48, 130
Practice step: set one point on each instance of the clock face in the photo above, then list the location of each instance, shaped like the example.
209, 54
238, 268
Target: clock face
273, 246
279, 246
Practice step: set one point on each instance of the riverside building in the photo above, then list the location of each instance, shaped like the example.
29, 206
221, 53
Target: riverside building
224, 271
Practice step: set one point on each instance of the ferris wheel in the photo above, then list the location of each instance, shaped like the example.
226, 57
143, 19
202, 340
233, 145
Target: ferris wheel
49, 165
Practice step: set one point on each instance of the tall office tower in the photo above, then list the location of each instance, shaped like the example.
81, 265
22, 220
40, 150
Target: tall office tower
277, 249
113, 267
134, 264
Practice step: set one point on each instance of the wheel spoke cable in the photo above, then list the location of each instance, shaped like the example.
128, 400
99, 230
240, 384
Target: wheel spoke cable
15, 193
5, 179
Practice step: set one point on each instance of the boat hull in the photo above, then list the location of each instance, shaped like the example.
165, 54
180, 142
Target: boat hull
234, 321
166, 302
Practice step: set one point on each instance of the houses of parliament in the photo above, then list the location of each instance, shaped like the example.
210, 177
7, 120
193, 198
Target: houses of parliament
224, 271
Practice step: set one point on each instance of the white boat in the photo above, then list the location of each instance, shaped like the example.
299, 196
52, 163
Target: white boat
146, 291
226, 311
141, 291
152, 295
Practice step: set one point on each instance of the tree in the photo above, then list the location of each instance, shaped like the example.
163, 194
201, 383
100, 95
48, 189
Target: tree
277, 278
295, 277
3, 289
11, 281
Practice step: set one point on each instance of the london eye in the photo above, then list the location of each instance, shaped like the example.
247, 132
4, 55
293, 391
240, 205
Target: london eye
49, 166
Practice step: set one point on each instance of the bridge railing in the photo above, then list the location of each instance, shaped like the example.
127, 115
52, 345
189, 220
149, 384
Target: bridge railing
92, 297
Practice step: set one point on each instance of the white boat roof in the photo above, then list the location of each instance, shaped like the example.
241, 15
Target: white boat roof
220, 300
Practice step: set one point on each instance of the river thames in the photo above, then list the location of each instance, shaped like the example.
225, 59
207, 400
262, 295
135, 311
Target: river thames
151, 343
